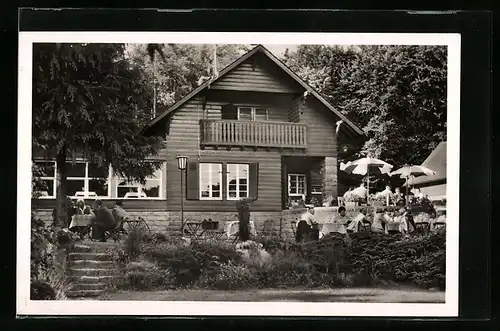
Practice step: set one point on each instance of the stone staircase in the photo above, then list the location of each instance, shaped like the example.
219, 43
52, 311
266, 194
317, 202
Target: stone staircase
91, 269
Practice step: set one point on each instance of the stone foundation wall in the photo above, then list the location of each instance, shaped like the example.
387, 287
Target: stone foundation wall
267, 223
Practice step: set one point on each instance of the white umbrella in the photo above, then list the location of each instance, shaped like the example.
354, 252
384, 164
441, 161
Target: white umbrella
412, 171
364, 166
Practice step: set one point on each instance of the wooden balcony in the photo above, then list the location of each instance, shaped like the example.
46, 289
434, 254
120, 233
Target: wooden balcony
253, 134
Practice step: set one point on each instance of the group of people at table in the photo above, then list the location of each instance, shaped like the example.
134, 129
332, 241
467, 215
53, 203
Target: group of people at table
98, 217
388, 220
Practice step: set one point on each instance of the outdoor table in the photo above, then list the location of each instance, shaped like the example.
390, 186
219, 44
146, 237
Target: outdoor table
333, 227
393, 226
136, 222
193, 228
80, 220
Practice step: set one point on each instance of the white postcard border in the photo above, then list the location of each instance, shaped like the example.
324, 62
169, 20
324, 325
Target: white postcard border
166, 308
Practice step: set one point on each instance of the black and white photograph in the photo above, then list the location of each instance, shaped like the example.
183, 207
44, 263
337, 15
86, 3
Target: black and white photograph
238, 173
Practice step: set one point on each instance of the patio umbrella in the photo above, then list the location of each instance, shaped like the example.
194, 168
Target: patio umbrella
412, 171
365, 166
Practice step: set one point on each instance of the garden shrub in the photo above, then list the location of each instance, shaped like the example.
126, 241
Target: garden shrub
49, 248
360, 259
188, 262
144, 276
134, 240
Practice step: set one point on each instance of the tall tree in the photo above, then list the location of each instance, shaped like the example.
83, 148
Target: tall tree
88, 99
173, 70
396, 94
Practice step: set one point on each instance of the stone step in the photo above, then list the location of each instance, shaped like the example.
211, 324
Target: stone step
90, 256
91, 264
97, 247
92, 272
88, 286
84, 293
94, 279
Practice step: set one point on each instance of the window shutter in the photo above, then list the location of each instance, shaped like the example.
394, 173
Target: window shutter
254, 180
229, 112
192, 181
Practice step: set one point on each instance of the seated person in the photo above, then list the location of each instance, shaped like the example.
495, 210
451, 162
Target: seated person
406, 223
385, 193
80, 206
119, 214
340, 220
379, 222
361, 192
355, 224
70, 211
103, 221
391, 223
305, 227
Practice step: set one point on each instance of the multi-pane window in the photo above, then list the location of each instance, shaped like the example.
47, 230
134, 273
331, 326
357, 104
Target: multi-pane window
210, 181
49, 178
237, 181
252, 114
134, 190
84, 179
296, 184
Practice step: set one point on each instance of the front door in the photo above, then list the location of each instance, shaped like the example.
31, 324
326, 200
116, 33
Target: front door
297, 186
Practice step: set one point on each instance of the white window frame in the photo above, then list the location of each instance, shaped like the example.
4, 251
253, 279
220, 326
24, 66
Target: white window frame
86, 179
48, 178
253, 111
140, 187
289, 186
211, 172
238, 165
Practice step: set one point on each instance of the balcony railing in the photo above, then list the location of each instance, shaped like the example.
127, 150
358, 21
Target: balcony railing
253, 133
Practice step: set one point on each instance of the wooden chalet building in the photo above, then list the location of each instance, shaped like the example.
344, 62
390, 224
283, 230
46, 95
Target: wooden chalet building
256, 130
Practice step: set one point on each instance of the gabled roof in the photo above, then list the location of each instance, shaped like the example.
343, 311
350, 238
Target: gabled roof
262, 49
435, 161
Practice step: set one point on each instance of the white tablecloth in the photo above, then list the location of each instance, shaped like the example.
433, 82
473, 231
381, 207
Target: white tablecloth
230, 228
332, 227
81, 220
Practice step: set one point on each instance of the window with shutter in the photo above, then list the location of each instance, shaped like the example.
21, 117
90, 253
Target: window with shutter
237, 181
210, 181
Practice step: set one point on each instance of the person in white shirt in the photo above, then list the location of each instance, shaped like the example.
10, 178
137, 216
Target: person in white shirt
361, 191
305, 227
356, 223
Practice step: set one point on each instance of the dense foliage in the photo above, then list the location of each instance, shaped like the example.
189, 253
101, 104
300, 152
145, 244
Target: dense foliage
396, 94
49, 248
80, 92
362, 259
173, 70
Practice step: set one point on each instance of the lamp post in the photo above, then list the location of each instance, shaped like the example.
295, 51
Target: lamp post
181, 164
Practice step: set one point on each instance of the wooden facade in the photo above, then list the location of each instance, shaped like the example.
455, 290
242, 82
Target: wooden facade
254, 114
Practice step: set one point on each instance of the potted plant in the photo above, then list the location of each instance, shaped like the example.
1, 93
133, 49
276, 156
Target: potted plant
378, 200
351, 200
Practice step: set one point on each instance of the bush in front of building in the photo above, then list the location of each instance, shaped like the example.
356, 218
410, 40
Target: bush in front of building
362, 259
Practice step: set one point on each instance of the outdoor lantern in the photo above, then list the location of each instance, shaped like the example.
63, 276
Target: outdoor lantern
345, 148
181, 162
